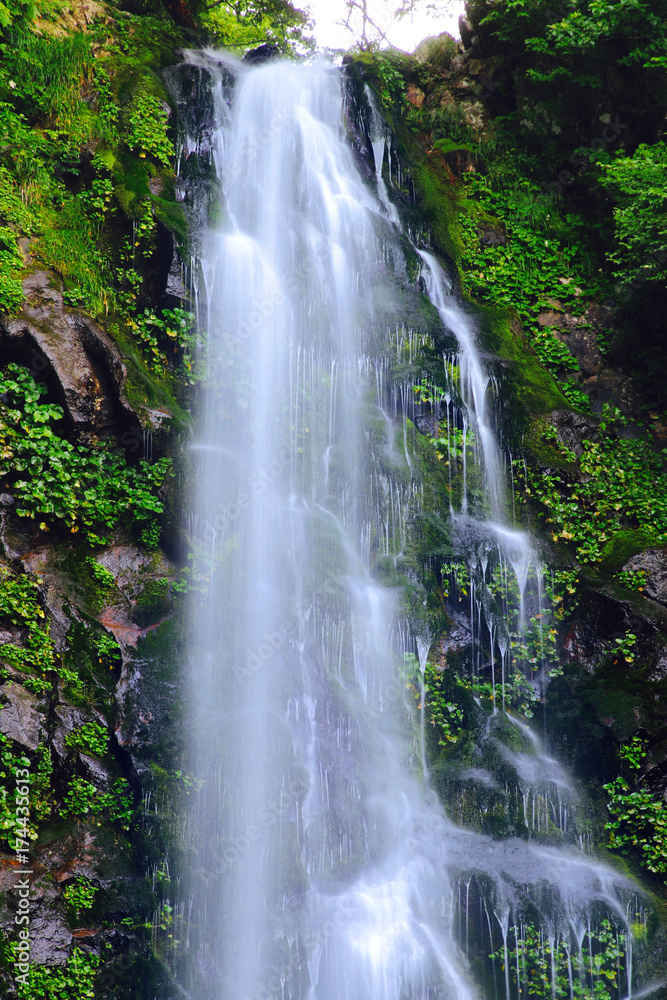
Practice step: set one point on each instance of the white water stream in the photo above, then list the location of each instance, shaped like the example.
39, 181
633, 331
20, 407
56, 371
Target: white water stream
322, 864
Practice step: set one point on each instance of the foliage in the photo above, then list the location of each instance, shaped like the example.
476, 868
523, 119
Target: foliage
541, 966
106, 647
62, 484
173, 329
242, 24
11, 824
623, 483
637, 185
20, 606
100, 573
11, 290
639, 820
83, 798
80, 896
445, 714
392, 84
148, 129
633, 579
639, 24
74, 981
91, 737
523, 270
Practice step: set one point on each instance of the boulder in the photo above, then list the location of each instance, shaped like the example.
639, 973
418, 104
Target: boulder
261, 54
653, 563
19, 718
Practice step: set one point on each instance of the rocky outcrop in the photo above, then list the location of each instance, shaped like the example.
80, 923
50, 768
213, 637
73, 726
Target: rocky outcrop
652, 563
78, 359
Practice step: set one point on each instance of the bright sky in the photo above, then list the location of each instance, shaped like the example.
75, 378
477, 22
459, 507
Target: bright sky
405, 34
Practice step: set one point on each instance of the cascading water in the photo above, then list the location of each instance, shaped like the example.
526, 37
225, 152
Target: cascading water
322, 864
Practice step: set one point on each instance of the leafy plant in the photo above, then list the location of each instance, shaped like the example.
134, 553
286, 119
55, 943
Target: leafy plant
80, 896
100, 573
444, 712
148, 128
639, 820
623, 483
541, 966
525, 271
83, 798
62, 484
632, 579
91, 737
638, 186
11, 824
11, 262
20, 605
74, 981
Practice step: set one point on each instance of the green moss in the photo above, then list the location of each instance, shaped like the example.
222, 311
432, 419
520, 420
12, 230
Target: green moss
437, 204
153, 603
533, 387
624, 545
171, 214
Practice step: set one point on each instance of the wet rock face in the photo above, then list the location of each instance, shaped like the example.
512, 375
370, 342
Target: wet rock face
20, 719
261, 54
653, 563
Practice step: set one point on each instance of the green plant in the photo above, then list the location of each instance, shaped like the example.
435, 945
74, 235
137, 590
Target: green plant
632, 579
20, 605
638, 187
11, 262
91, 737
444, 713
60, 483
100, 573
625, 647
639, 821
106, 646
541, 966
80, 896
12, 824
74, 981
83, 798
623, 483
148, 128
533, 269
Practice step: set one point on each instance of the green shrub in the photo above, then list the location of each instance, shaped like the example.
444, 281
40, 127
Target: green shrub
623, 484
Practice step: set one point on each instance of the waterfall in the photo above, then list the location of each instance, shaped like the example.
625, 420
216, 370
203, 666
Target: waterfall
321, 865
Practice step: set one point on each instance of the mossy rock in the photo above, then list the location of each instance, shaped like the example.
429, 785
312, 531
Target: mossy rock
153, 603
534, 387
623, 546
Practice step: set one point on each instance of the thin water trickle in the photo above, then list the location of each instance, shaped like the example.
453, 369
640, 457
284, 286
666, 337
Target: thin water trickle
320, 869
